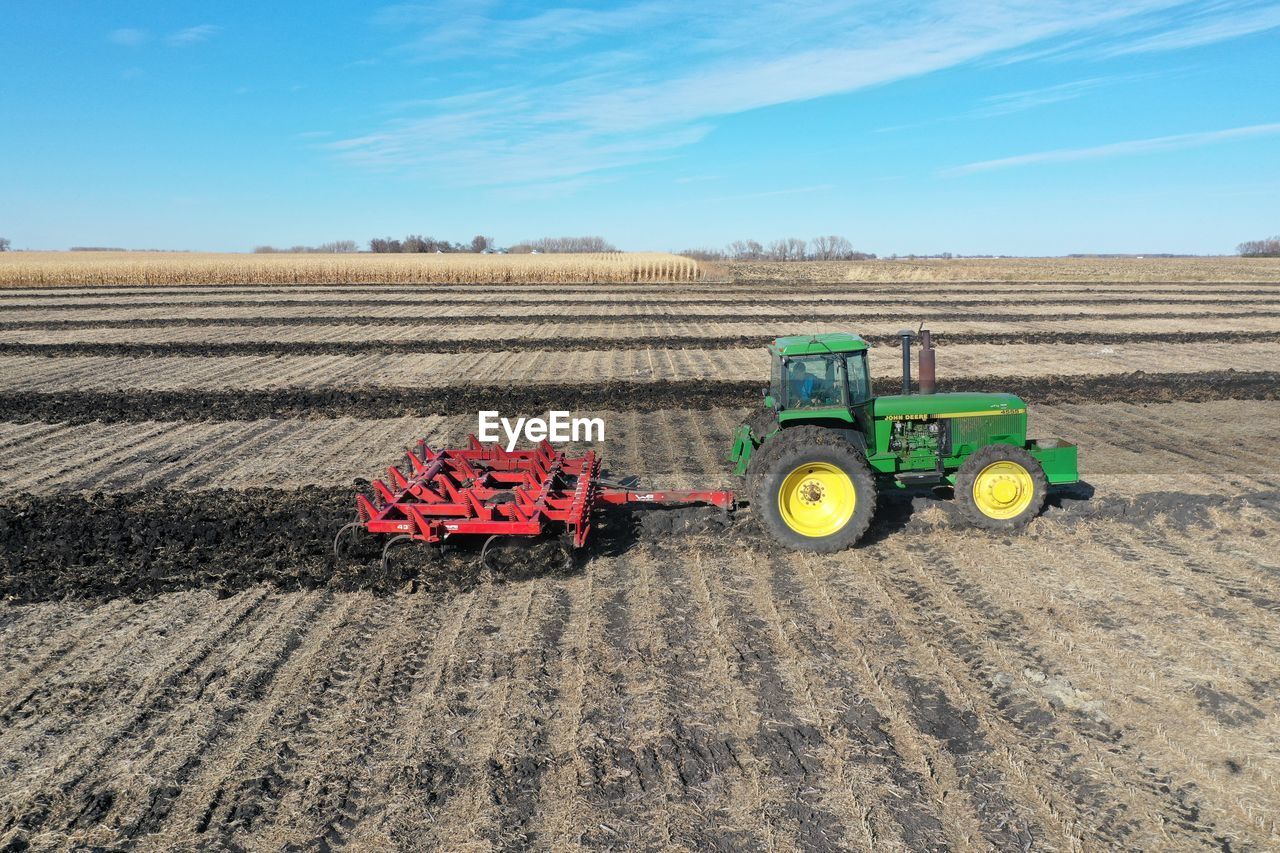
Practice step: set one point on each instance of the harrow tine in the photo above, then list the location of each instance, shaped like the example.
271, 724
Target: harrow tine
339, 546
385, 564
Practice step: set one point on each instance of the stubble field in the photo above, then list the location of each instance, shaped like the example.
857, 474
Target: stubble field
182, 665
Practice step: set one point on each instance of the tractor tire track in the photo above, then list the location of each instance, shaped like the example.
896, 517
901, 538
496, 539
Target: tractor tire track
420, 775
518, 765
473, 726
349, 747
896, 786
623, 777
1147, 797
215, 715
794, 752
101, 736
244, 774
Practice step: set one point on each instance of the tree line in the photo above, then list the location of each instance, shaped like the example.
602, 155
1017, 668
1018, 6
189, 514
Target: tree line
831, 247
1269, 248
336, 247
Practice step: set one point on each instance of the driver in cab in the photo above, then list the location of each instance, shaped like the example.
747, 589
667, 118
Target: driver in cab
802, 384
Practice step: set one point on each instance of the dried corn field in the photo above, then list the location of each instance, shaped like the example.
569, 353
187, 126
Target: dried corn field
23, 269
183, 666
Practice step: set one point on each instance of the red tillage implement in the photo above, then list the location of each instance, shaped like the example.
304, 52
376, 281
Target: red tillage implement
504, 495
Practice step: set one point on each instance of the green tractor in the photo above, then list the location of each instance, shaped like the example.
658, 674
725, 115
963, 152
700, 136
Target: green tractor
823, 447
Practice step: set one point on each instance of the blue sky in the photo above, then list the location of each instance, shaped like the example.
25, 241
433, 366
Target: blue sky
1013, 126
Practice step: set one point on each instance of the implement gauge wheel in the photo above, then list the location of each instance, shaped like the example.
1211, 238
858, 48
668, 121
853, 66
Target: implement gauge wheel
815, 491
1001, 487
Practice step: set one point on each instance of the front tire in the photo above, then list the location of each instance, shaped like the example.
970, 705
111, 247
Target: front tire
1001, 487
815, 491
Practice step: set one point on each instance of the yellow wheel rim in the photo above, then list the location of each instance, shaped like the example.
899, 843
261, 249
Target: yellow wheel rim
817, 499
1003, 490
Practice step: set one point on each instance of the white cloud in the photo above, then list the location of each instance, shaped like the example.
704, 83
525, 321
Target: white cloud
193, 35
1219, 22
129, 37
646, 79
1119, 149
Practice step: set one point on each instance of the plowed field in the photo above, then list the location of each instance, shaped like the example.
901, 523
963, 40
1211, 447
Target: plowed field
183, 666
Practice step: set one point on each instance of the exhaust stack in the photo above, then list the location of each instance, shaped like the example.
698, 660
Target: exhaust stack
928, 364
906, 335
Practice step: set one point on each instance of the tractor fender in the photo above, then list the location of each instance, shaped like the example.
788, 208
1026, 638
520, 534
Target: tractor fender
854, 437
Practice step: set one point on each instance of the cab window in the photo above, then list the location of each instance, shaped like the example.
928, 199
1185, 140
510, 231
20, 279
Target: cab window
859, 378
813, 382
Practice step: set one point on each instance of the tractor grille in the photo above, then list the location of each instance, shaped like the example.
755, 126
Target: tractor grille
980, 431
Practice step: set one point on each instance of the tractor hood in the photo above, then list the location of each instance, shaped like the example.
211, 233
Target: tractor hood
959, 404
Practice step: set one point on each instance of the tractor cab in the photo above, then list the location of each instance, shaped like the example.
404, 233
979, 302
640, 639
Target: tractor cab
818, 372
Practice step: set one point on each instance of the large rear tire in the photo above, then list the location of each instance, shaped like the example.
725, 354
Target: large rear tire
815, 491
1001, 487
762, 423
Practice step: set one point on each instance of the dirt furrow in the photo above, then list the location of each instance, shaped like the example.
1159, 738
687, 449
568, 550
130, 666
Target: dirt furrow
152, 542
213, 349
430, 372
374, 403
853, 319
675, 332
162, 308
